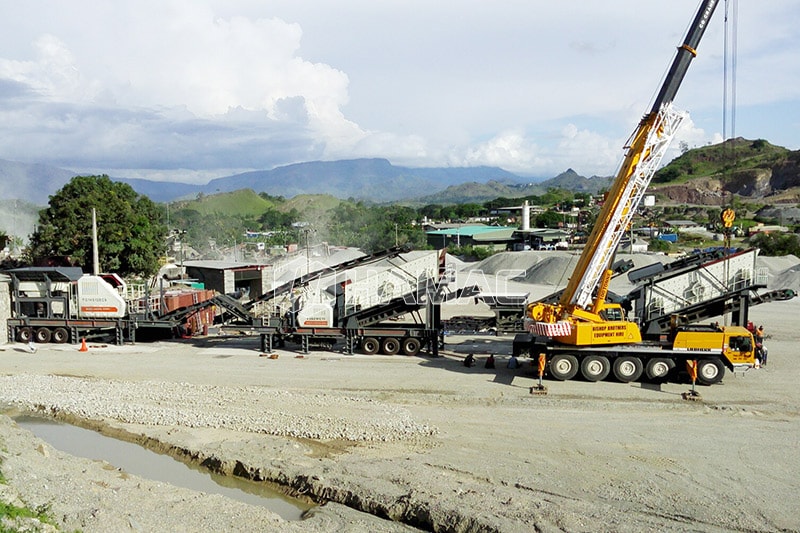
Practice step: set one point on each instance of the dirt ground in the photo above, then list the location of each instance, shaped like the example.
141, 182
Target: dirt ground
470, 449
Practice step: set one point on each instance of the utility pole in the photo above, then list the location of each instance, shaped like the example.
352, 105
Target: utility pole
95, 251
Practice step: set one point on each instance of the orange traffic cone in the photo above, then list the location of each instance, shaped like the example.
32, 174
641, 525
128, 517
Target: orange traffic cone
83, 347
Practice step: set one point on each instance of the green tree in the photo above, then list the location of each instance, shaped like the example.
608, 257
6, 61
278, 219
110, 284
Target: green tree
776, 244
130, 235
549, 219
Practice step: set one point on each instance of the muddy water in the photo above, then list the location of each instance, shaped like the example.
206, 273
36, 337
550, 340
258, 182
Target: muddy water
145, 463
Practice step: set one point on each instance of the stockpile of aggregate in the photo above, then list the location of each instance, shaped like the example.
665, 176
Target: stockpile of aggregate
313, 415
542, 268
551, 268
783, 272
300, 264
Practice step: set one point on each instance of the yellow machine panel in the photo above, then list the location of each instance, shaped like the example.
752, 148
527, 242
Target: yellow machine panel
600, 333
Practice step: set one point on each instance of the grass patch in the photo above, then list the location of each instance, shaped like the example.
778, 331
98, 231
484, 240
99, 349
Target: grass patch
10, 513
13, 513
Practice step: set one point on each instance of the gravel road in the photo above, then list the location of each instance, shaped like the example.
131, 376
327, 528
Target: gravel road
403, 444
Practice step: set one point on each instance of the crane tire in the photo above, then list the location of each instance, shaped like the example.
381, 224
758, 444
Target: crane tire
595, 367
658, 368
370, 345
563, 366
710, 371
411, 346
628, 368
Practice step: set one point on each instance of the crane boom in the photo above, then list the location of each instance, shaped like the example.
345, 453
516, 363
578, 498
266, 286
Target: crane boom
645, 149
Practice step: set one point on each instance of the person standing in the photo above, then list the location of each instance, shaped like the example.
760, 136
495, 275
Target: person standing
761, 350
758, 336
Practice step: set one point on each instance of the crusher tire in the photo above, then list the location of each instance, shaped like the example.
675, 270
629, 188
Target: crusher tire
390, 346
595, 367
563, 367
370, 345
411, 346
60, 335
42, 335
24, 334
658, 368
710, 371
628, 368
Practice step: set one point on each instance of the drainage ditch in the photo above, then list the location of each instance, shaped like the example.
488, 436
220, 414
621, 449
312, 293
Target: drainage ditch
140, 461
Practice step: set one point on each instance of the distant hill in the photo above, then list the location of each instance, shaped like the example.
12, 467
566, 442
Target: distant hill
572, 181
367, 179
482, 192
708, 175
162, 191
31, 182
246, 202
711, 175
243, 202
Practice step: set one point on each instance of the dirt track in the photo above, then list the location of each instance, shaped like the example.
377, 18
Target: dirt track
481, 454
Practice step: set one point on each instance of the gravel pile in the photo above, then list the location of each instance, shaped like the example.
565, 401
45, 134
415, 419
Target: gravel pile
318, 416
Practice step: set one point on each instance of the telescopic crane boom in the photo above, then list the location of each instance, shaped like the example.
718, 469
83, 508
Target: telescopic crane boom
582, 303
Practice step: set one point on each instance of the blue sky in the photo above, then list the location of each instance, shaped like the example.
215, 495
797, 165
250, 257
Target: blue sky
189, 90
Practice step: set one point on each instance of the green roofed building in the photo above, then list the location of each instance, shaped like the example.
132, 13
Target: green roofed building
493, 237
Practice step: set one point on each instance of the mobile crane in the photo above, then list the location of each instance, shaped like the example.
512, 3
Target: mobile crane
582, 331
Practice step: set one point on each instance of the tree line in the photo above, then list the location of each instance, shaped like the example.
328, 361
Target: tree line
133, 231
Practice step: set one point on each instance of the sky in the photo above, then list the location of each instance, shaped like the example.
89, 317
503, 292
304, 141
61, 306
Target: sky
190, 90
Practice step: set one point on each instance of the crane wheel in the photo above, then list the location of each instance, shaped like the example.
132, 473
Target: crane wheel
710, 371
595, 367
659, 368
628, 368
563, 367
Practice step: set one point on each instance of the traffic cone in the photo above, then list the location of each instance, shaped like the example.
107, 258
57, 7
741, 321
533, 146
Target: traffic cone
83, 347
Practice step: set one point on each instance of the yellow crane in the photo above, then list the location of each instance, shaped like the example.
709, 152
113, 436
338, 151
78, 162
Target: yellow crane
582, 316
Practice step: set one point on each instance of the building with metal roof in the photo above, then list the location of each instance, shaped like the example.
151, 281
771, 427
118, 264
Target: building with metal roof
496, 237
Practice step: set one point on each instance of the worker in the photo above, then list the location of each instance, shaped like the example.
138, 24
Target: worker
469, 360
489, 361
513, 362
761, 350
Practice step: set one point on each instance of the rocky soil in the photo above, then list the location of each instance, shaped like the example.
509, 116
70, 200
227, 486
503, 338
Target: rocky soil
402, 444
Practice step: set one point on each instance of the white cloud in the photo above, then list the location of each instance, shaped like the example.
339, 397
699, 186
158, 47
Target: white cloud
53, 74
534, 87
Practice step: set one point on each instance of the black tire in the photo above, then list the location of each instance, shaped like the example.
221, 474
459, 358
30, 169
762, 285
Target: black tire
60, 335
628, 368
658, 368
595, 367
42, 335
24, 334
563, 367
370, 345
710, 371
411, 346
390, 346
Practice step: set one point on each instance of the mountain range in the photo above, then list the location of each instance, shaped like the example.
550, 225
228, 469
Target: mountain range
375, 180
706, 175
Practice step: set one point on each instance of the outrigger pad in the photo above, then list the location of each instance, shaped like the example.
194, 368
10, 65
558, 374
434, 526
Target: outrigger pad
692, 396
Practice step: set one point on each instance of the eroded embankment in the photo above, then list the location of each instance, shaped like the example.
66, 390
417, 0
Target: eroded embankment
163, 417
